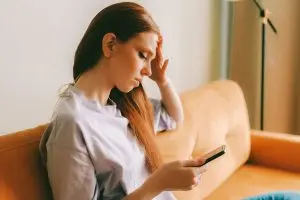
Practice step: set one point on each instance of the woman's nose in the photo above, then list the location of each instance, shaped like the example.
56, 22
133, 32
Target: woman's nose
146, 71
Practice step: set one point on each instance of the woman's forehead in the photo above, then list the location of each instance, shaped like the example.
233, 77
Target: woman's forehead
146, 39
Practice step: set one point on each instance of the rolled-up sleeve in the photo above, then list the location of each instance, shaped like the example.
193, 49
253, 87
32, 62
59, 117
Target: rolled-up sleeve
71, 174
162, 120
70, 170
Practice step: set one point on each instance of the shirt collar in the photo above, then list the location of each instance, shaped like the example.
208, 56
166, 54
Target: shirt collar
68, 90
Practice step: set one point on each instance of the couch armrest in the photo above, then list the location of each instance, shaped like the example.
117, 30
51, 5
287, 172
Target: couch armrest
277, 150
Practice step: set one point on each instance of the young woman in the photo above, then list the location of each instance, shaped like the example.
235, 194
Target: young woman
99, 143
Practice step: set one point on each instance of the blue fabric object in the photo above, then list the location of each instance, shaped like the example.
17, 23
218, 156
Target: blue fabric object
280, 195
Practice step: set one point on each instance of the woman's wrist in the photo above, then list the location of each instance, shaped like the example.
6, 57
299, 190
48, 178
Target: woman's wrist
163, 83
147, 191
151, 188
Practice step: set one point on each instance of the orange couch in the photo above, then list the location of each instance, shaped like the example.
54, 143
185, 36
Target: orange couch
215, 113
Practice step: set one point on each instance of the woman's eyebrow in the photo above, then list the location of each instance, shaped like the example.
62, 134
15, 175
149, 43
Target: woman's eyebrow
149, 51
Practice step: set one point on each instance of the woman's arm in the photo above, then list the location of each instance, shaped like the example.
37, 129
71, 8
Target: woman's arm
71, 174
171, 100
177, 175
146, 192
70, 171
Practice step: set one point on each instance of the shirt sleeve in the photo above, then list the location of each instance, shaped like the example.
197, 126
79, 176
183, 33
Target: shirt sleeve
162, 120
70, 170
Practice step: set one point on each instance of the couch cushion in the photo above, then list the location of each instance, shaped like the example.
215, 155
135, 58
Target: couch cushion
251, 179
22, 175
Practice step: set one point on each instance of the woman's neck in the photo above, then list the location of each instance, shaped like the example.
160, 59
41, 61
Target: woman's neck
95, 84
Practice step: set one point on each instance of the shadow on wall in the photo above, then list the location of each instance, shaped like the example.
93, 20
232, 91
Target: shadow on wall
215, 49
244, 56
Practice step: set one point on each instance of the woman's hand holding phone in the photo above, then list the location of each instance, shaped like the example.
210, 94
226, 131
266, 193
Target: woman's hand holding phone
178, 175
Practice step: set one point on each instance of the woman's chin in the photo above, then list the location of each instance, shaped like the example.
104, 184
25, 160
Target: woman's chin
126, 89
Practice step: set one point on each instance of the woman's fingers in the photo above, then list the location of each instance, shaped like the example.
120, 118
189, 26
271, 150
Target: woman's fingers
192, 186
199, 170
165, 66
159, 53
160, 38
189, 163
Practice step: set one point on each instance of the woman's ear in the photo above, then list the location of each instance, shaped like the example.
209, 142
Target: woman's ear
109, 42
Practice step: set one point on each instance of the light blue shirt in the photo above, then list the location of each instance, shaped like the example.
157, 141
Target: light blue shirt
90, 153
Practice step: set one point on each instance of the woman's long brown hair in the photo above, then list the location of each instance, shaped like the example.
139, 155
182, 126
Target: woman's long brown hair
125, 20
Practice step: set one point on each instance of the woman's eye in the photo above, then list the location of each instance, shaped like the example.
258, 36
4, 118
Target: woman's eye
142, 55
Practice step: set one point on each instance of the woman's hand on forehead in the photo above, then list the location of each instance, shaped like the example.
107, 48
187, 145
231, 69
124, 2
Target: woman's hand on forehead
159, 64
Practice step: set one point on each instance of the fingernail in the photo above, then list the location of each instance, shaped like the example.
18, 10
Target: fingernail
200, 162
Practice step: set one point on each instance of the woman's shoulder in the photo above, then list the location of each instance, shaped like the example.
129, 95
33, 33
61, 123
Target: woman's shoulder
65, 118
67, 107
63, 130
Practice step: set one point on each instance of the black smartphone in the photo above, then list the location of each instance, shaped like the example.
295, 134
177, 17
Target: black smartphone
214, 154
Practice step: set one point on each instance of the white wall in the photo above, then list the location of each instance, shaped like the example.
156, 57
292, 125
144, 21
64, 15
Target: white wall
38, 40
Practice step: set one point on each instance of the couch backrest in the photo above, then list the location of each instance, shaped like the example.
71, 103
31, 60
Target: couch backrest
22, 175
215, 114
